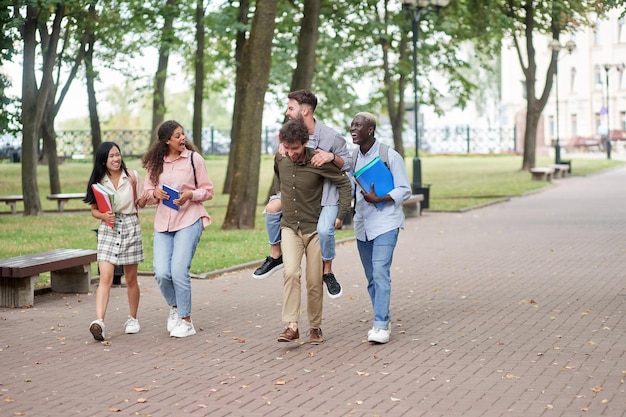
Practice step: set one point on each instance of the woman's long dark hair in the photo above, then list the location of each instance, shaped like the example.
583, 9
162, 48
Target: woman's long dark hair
152, 160
100, 168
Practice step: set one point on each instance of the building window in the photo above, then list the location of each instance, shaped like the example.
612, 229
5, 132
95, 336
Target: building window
599, 126
574, 125
621, 30
622, 120
596, 34
572, 79
598, 76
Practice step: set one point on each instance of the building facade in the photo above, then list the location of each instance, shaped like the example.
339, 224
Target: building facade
590, 85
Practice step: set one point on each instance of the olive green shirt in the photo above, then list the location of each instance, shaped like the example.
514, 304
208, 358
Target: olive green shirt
301, 186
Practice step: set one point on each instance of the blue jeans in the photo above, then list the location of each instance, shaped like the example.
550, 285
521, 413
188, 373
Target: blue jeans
376, 256
173, 252
272, 224
325, 230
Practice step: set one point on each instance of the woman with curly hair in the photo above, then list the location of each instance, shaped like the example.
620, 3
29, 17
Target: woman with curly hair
172, 161
119, 233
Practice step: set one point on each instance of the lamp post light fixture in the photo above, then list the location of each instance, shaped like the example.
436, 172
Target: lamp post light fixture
607, 67
418, 9
555, 46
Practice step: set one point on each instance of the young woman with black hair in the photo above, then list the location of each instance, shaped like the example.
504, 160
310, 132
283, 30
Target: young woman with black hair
119, 244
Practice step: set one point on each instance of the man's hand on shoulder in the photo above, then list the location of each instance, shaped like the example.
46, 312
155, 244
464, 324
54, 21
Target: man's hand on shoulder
281, 150
322, 157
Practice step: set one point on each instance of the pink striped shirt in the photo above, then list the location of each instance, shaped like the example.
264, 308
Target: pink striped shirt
179, 174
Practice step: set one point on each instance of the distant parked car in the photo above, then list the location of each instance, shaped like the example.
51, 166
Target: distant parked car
10, 148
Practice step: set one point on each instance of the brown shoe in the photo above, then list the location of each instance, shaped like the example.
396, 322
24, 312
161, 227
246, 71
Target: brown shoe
315, 336
289, 335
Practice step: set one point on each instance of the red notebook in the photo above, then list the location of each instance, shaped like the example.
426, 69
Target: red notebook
105, 199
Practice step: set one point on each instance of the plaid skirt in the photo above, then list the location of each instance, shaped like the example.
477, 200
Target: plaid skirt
121, 245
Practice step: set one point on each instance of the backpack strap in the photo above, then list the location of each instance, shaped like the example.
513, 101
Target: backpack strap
355, 154
132, 175
133, 181
383, 153
193, 167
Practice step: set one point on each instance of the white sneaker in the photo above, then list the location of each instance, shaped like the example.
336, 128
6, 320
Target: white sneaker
132, 325
370, 331
97, 329
184, 329
378, 335
172, 319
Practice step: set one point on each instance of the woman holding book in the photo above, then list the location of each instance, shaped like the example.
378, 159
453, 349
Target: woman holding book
178, 182
112, 192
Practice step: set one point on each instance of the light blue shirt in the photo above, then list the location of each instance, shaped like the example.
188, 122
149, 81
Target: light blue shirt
370, 222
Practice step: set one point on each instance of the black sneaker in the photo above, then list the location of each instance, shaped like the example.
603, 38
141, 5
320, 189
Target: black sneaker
270, 266
333, 288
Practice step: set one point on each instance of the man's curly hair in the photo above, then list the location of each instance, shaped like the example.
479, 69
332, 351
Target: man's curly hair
294, 131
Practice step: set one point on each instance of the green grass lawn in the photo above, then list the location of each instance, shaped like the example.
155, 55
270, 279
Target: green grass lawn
457, 183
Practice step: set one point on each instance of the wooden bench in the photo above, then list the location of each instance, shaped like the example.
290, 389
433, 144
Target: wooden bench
542, 173
61, 199
560, 170
412, 207
70, 272
11, 200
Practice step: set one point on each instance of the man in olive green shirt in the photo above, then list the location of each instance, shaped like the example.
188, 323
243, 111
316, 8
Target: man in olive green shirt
301, 184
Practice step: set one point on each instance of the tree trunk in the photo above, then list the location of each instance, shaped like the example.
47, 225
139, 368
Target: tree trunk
32, 111
242, 18
158, 99
530, 135
534, 106
49, 43
307, 45
253, 80
198, 92
94, 118
34, 100
50, 144
396, 114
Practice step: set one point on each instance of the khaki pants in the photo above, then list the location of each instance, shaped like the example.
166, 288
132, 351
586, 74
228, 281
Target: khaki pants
294, 246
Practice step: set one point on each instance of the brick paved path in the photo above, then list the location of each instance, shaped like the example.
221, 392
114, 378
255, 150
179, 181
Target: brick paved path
517, 309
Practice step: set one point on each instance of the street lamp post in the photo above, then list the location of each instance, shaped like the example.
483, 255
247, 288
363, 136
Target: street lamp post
555, 46
418, 9
607, 67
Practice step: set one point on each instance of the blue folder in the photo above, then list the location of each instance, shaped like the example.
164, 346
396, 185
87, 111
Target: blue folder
375, 172
174, 194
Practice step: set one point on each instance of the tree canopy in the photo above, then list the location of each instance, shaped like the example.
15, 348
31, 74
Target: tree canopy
360, 60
